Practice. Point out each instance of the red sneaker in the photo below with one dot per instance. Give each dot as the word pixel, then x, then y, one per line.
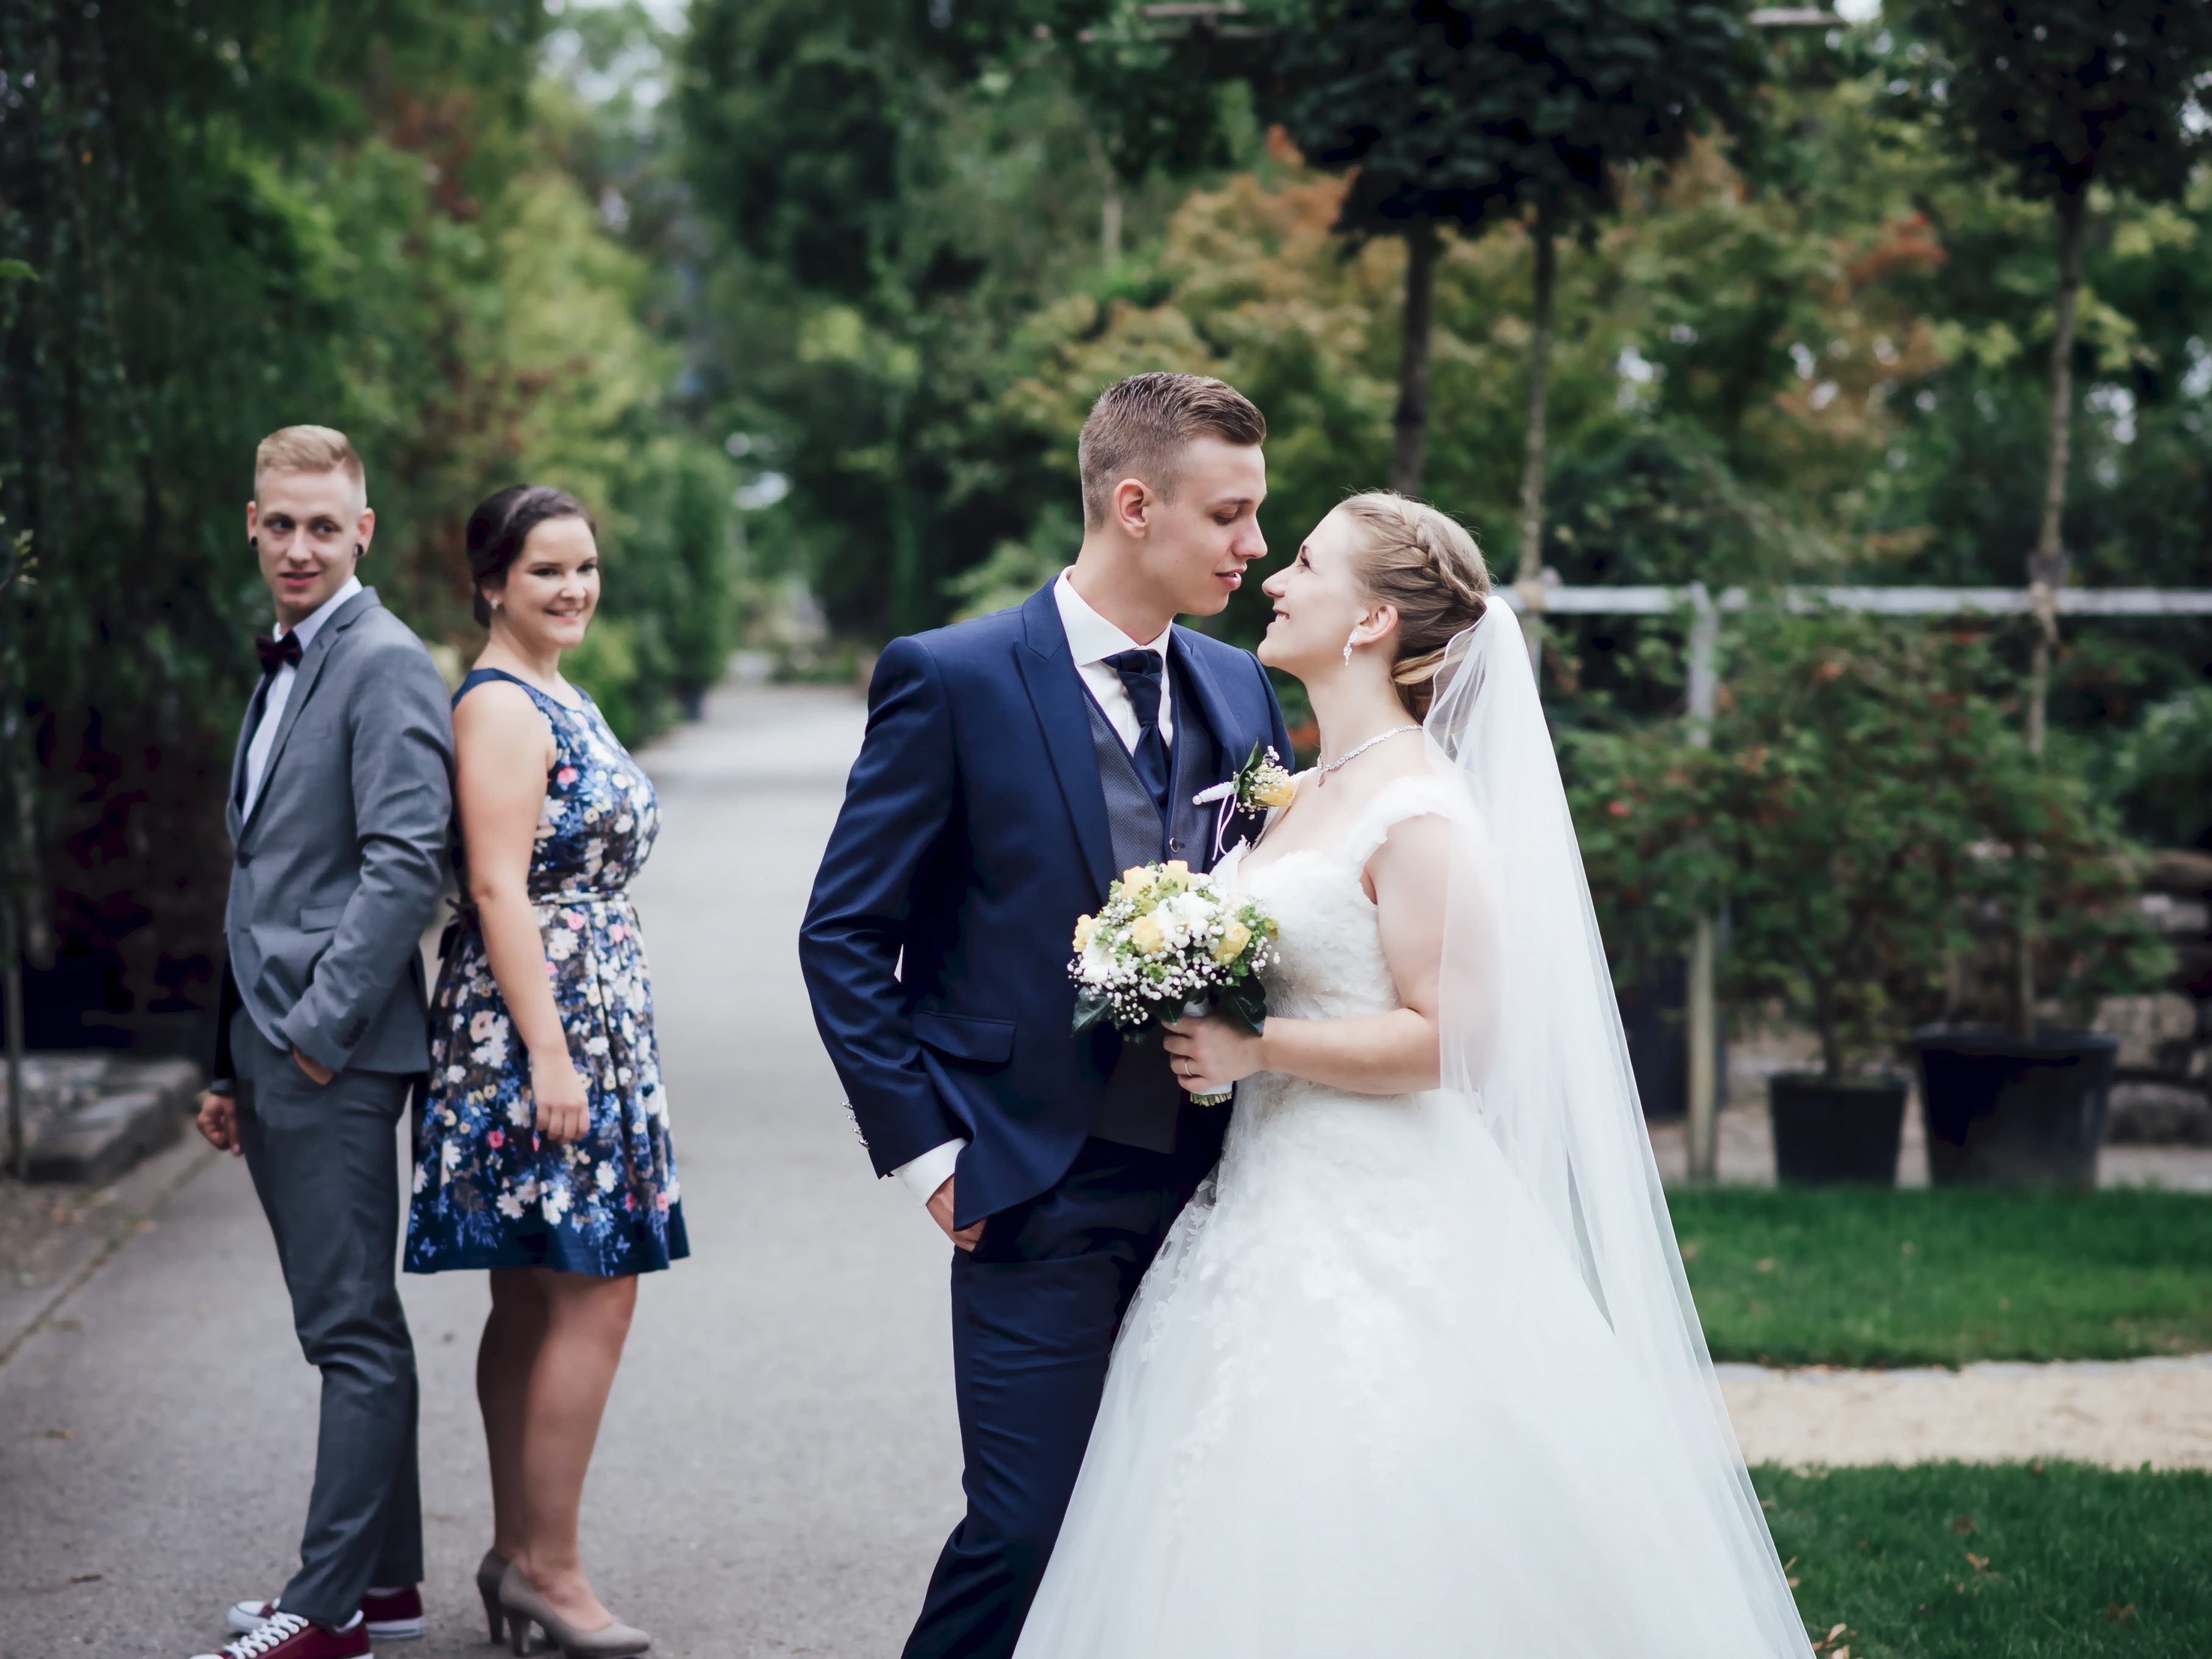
pixel 393 1615
pixel 288 1635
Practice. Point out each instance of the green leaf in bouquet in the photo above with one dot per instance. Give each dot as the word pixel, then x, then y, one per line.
pixel 1246 1002
pixel 1090 1009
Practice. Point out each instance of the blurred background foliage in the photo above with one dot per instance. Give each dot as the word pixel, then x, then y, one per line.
pixel 808 298
pixel 1818 354
pixel 453 230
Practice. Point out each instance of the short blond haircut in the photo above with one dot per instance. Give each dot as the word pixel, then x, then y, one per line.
pixel 308 449
pixel 1139 427
pixel 1425 563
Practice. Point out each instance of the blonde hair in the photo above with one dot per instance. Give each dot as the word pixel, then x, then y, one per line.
pixel 308 449
pixel 1139 427
pixel 1423 562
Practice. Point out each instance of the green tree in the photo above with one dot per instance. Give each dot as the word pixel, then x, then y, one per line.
pixel 1462 116
pixel 2063 99
pixel 237 215
pixel 894 199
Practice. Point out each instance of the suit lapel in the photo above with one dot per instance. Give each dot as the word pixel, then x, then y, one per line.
pixel 305 677
pixel 233 819
pixel 1057 692
pixel 1213 707
pixel 1232 739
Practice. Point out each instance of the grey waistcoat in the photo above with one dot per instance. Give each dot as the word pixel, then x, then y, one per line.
pixel 1143 1100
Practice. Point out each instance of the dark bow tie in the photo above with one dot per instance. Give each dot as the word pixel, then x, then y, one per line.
pixel 275 653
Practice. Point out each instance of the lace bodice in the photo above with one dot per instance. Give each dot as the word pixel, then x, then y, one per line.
pixel 1332 965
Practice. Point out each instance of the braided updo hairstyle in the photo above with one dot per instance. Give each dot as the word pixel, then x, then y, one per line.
pixel 1425 563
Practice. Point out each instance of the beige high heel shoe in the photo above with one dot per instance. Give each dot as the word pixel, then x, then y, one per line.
pixel 490 1571
pixel 525 1606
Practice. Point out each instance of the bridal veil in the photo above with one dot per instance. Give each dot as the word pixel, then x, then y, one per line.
pixel 1531 1032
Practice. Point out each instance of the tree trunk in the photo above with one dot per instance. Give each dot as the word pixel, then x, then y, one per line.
pixel 1540 381
pixel 11 1010
pixel 1831 1044
pixel 1109 222
pixel 2047 565
pixel 1409 453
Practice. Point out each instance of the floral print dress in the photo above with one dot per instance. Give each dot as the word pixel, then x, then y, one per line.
pixel 488 1191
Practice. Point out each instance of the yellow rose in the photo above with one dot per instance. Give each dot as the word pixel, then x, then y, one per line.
pixel 1085 927
pixel 1147 936
pixel 1274 789
pixel 1137 879
pixel 1178 869
pixel 1233 944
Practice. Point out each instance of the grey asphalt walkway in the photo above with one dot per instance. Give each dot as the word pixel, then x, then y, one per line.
pixel 780 1460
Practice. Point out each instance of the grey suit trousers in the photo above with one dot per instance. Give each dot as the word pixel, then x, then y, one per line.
pixel 325 1161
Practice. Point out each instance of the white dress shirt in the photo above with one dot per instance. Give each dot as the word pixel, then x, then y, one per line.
pixel 1090 640
pixel 280 692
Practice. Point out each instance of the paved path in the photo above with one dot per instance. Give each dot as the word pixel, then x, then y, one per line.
pixel 2121 1413
pixel 1746 1137
pixel 780 1460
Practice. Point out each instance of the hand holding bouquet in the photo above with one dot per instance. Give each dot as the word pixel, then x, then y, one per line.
pixel 1169 943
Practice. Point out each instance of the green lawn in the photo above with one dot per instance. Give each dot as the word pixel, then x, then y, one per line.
pixel 2005 1561
pixel 1854 1276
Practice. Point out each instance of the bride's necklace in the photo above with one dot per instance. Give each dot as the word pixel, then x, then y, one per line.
pixel 1321 772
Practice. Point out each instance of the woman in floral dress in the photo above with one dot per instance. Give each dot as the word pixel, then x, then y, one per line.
pixel 541 1151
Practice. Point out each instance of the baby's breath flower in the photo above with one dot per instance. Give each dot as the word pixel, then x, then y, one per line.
pixel 1168 939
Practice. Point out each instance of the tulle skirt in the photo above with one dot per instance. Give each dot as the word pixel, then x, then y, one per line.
pixel 1365 1404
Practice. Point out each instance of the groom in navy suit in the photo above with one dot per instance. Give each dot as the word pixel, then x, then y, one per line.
pixel 1013 766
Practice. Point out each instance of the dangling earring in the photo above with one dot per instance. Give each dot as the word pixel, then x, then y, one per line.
pixel 1348 644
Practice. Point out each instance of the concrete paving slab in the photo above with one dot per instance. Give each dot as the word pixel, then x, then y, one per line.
pixel 781 1458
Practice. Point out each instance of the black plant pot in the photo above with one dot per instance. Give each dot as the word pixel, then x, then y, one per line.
pixel 1826 1132
pixel 2004 1112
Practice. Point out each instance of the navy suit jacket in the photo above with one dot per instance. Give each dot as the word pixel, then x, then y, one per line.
pixel 974 833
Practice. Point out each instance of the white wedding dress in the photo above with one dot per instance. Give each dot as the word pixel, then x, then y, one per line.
pixel 1366 1401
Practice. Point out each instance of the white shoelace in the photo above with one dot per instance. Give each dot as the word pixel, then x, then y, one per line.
pixel 281 1627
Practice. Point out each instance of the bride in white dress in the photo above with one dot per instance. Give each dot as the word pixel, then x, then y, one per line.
pixel 1418 1373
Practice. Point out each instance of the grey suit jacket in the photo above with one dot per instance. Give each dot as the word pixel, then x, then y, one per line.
pixel 340 866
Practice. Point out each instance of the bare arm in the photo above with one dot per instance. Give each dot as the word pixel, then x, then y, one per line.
pixel 1393 1053
pixel 505 749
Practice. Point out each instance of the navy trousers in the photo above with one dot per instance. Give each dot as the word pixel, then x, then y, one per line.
pixel 1034 1309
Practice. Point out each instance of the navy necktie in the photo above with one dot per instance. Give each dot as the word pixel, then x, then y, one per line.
pixel 1141 673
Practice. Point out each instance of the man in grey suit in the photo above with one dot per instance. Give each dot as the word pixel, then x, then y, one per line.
pixel 341 795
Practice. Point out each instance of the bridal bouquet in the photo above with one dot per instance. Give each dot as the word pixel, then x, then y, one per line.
pixel 1169 943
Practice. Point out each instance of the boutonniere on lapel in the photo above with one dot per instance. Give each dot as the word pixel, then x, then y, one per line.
pixel 1261 783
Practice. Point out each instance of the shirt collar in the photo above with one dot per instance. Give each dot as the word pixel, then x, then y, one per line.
pixel 1091 637
pixel 314 620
